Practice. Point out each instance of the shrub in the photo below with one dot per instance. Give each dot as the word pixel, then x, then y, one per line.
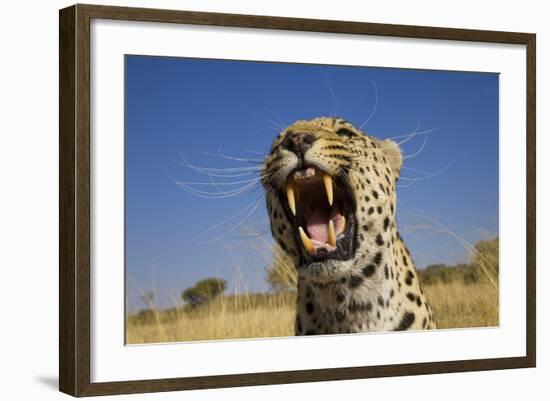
pixel 486 260
pixel 282 275
pixel 204 291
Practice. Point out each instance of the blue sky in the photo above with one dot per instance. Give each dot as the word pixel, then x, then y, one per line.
pixel 199 108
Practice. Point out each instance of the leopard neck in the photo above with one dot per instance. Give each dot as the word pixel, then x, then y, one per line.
pixel 366 299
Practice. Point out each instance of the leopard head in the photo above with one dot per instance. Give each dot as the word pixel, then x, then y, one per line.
pixel 331 195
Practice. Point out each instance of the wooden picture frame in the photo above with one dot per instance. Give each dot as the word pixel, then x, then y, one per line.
pixel 74 203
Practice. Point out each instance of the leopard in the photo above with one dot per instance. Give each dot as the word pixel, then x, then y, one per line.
pixel 330 192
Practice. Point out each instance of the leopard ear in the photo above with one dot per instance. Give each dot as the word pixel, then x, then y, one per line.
pixel 393 155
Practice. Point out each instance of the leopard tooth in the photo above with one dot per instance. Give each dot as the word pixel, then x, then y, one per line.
pixel 343 224
pixel 308 244
pixel 331 234
pixel 327 179
pixel 291 198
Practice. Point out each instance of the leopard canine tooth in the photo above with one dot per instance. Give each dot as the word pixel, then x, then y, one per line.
pixel 331 234
pixel 327 179
pixel 306 241
pixel 291 199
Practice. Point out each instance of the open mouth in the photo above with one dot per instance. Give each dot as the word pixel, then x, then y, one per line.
pixel 322 209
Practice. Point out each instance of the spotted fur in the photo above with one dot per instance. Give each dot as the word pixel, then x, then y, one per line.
pixel 376 289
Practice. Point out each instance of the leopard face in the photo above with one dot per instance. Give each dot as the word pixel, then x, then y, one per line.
pixel 330 193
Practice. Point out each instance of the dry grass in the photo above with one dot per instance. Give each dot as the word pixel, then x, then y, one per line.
pixel 462 296
pixel 456 305
pixel 227 317
pixel 255 323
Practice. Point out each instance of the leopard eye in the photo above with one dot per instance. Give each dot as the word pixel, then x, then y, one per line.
pixel 345 133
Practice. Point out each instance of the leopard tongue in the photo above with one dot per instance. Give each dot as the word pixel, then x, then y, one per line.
pixel 318 225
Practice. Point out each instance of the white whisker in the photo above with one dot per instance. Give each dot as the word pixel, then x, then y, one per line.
pixel 256 179
pixel 411 135
pixel 234 227
pixel 375 107
pixel 415 170
pixel 283 125
pixel 274 124
pixel 270 130
pixel 218 195
pixel 404 185
pixel 326 78
pixel 412 180
pixel 239 159
pixel 426 132
pixel 221 172
pixel 251 204
pixel 211 178
pixel 256 152
pixel 419 150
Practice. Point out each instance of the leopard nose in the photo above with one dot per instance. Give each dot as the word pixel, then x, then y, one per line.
pixel 299 142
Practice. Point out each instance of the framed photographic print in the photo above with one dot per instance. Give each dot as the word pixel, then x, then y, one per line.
pixel 251 200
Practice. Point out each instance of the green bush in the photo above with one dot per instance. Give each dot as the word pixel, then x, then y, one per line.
pixel 204 291
pixel 486 260
pixel 483 268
